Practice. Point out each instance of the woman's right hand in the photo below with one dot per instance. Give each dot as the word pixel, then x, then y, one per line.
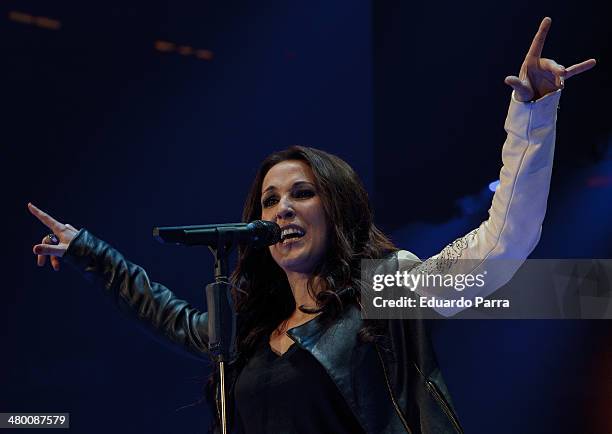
pixel 47 247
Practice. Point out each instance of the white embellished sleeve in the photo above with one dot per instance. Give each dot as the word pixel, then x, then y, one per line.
pixel 509 235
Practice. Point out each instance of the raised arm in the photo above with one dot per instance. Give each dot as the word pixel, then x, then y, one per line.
pixel 128 285
pixel 502 242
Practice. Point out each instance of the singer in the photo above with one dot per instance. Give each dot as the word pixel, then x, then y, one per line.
pixel 307 362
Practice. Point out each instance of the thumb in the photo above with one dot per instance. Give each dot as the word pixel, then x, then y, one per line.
pixel 522 91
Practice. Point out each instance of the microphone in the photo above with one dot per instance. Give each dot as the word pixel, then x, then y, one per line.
pixel 258 233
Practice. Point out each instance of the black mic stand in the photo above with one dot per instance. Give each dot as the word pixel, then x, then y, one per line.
pixel 221 315
pixel 221 239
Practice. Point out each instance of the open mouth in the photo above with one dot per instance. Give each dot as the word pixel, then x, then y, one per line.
pixel 291 233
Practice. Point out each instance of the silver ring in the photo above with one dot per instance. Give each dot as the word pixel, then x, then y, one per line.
pixel 52 239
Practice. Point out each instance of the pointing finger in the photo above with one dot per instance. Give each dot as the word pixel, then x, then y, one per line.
pixel 45 218
pixel 580 67
pixel 538 41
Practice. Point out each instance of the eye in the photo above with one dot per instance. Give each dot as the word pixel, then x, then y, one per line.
pixel 303 193
pixel 269 201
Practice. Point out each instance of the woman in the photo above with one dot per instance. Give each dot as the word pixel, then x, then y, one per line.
pixel 307 361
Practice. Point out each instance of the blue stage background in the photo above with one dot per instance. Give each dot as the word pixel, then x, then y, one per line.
pixel 131 116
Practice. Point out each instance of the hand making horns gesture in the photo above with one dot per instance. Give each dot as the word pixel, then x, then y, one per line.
pixel 54 244
pixel 539 76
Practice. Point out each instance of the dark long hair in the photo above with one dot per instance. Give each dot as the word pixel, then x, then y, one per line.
pixel 262 294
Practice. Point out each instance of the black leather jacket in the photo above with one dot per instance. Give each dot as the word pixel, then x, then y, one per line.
pixel 395 391
pixel 389 392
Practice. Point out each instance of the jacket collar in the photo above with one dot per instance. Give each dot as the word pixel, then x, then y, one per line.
pixel 315 336
pixel 333 346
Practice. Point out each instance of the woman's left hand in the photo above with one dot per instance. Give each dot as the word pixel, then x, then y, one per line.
pixel 540 76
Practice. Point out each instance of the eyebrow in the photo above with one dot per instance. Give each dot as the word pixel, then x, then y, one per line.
pixel 295 184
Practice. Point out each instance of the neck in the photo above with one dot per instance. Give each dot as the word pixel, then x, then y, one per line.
pixel 299 287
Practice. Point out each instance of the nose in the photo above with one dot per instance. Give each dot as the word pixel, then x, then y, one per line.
pixel 285 210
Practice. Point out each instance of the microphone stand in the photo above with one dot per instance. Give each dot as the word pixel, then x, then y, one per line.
pixel 221 239
pixel 221 315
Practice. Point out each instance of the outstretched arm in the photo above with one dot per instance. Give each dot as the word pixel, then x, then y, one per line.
pixel 501 243
pixel 152 304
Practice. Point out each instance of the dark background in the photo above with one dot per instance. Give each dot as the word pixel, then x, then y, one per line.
pixel 105 131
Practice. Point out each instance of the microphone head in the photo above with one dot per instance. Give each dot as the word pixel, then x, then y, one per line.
pixel 264 233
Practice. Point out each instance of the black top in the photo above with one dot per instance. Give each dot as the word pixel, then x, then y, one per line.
pixel 290 393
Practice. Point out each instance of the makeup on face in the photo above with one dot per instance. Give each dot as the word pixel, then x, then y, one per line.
pixel 290 198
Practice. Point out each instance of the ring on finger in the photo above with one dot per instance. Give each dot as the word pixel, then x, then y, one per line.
pixel 52 239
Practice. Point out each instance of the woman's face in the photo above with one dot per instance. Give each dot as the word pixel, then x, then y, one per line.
pixel 290 198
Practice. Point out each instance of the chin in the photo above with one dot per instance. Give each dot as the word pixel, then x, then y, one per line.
pixel 294 261
pixel 297 265
pixel 300 256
